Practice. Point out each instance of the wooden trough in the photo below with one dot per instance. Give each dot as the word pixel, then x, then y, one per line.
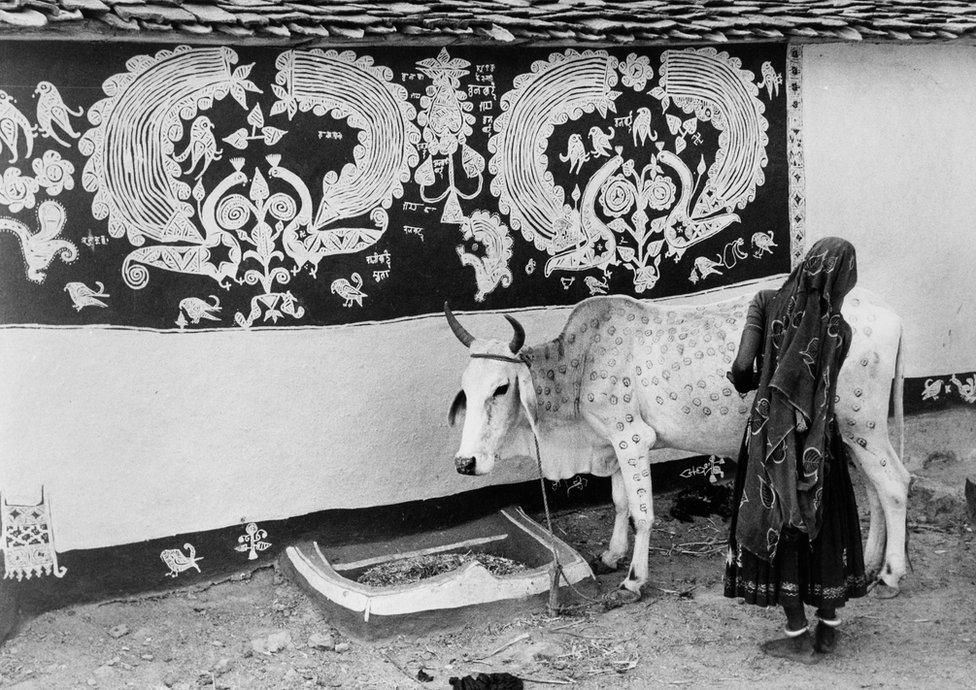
pixel 328 575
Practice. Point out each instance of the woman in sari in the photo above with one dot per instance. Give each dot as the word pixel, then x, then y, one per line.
pixel 795 537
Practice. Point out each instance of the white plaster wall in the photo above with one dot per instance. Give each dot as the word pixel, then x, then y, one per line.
pixel 137 435
pixel 890 146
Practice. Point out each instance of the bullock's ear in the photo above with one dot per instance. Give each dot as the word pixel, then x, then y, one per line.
pixel 527 397
pixel 456 406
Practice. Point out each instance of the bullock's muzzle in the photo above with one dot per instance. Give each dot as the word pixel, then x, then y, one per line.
pixel 464 465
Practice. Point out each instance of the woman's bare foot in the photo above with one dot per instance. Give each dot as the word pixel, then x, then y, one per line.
pixel 826 638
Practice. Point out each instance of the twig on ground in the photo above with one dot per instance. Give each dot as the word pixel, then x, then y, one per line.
pixel 547 681
pixel 503 647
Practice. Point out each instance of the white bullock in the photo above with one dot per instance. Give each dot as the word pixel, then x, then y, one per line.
pixel 626 377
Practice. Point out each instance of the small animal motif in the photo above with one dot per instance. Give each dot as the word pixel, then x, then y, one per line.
pixel 597 287
pixel 201 147
pixel 640 128
pixel 12 124
pixel 192 309
pixel 600 141
pixel 731 254
pixel 762 243
pixel 41 248
pixel 530 267
pixel 967 389
pixel 770 80
pixel 51 111
pixel 932 389
pixel 575 154
pixel 567 282
pixel 350 293
pixel 177 561
pixel 276 305
pixel 83 296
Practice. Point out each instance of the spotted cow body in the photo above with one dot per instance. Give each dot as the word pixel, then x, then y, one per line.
pixel 627 378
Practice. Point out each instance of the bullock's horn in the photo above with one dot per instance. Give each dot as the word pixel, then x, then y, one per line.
pixel 459 330
pixel 518 340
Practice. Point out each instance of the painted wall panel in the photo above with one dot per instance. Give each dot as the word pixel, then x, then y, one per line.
pixel 292 207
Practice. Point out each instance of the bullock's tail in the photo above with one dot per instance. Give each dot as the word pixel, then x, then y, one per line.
pixel 898 394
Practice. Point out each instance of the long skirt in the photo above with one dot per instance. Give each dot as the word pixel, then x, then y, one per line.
pixel 825 572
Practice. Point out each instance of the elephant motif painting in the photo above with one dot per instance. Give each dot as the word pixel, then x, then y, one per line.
pixel 212 187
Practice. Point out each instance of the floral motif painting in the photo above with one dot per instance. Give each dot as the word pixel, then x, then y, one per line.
pixel 194 188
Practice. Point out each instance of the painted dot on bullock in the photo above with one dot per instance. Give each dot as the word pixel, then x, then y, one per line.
pixel 699 354
pixel 706 411
pixel 593 376
pixel 631 316
pixel 726 391
pixel 871 425
pixel 867 330
pixel 728 360
pixel 654 380
pixel 622 445
pixel 595 323
pixel 856 407
pixel 636 477
pixel 572 338
pixel 603 375
pixel 548 390
pixel 644 319
pixel 613 400
pixel 691 389
pixel 583 328
pixel 675 366
pixel 627 397
pixel 686 360
pixel 884 462
pixel 632 462
pixel 743 409
pixel 861 442
pixel 589 397
pixel 701 383
pixel 836 399
pixel 613 379
pixel 629 417
pixel 851 422
pixel 597 337
pixel 713 397
pixel 864 361
pixel 858 392
pixel 657 319
pixel 612 362
pixel 626 381
pixel 686 409
pixel 635 438
pixel 646 473
pixel 664 348
pixel 673 395
pixel 723 410
pixel 619 340
pixel 620 426
pixel 666 375
pixel 550 374
pixel 644 383
pixel 696 402
pixel 548 405
pixel 659 400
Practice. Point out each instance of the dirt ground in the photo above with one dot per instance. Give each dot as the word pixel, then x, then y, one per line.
pixel 262 632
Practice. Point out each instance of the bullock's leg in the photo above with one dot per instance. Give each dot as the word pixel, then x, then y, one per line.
pixel 874 549
pixel 618 541
pixel 632 446
pixel 884 470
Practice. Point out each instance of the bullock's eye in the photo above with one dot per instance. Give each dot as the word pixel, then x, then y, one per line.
pixel 501 390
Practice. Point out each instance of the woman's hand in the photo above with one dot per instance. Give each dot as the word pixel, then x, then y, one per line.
pixel 743 379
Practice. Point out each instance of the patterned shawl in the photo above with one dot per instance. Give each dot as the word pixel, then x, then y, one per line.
pixel 804 345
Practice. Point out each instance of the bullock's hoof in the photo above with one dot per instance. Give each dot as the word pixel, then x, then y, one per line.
pixel 799 649
pixel 884 591
pixel 599 567
pixel 620 597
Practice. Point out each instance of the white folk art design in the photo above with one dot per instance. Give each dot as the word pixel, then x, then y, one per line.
pixel 932 389
pixel 656 205
pixel 771 81
pixel 137 175
pixel 28 540
pixel 491 270
pixel 446 119
pixel 731 255
pixel 13 125
pixel 193 309
pixel 251 541
pixel 52 173
pixel 178 562
pixel 53 114
pixel 83 296
pixel 349 291
pixel 40 248
pixel 966 388
pixel 794 151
